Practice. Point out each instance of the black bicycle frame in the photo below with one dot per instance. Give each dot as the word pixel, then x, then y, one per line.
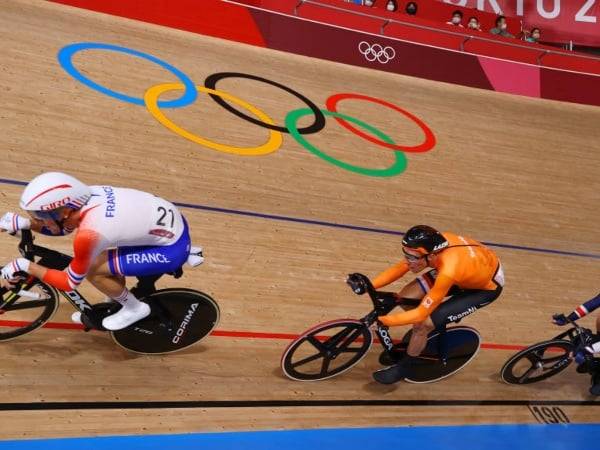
pixel 52 260
pixel 383 305
pixel 575 336
pixel 571 333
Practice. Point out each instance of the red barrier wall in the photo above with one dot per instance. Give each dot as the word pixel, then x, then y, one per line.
pixel 217 19
pixel 311 38
pixel 432 14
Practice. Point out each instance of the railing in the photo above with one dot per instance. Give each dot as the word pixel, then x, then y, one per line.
pixel 386 21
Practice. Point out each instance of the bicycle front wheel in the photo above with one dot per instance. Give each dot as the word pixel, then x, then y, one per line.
pixel 538 362
pixel 327 350
pixel 21 314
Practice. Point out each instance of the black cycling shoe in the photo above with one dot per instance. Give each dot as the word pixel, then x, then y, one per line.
pixel 583 367
pixel 389 358
pixel 395 373
pixel 595 389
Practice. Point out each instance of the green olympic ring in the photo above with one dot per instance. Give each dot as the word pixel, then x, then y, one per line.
pixel 399 166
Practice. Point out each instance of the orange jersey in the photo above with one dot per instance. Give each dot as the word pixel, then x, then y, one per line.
pixel 465 263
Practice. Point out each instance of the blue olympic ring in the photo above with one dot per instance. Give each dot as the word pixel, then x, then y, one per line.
pixel 65 56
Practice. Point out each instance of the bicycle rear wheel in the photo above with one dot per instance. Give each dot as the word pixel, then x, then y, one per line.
pixel 179 319
pixel 461 345
pixel 538 362
pixel 20 314
pixel 327 350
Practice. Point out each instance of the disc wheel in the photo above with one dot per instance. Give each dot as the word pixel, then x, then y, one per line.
pixel 327 350
pixel 179 319
pixel 538 362
pixel 461 344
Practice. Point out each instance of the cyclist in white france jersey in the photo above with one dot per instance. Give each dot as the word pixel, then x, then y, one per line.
pixel 119 232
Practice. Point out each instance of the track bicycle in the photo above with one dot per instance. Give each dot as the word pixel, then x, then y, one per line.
pixel 331 348
pixel 548 358
pixel 179 317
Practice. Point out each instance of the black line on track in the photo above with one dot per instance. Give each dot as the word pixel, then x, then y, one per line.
pixel 49 406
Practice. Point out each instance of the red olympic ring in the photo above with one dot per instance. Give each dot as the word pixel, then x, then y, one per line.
pixel 427 145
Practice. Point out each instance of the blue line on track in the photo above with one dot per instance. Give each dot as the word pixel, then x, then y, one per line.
pixel 467 437
pixel 346 226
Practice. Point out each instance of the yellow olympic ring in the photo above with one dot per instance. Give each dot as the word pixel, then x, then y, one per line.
pixel 151 100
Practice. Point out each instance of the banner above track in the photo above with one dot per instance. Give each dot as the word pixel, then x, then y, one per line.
pixel 560 20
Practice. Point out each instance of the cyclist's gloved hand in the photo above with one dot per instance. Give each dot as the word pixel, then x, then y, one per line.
pixel 559 319
pixel 13 222
pixel 357 283
pixel 10 272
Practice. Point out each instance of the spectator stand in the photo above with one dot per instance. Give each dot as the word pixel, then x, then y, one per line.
pixel 429 27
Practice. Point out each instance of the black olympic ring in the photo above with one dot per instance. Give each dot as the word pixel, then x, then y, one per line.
pixel 211 83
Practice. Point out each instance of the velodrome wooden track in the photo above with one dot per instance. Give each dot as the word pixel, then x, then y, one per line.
pixel 506 169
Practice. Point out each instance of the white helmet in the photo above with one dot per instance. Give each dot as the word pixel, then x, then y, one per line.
pixel 52 190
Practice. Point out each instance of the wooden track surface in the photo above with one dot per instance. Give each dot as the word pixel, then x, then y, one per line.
pixel 506 169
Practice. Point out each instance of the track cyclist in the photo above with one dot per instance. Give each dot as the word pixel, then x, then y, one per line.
pixel 461 270
pixel 119 232
pixel 583 355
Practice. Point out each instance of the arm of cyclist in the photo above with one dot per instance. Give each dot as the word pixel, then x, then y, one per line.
pixel 430 302
pixel 86 247
pixel 390 275
pixel 13 223
pixel 579 312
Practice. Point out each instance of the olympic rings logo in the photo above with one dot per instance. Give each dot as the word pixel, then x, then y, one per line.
pixel 376 52
pixel 254 115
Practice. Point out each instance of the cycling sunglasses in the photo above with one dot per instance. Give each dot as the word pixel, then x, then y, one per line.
pixel 412 258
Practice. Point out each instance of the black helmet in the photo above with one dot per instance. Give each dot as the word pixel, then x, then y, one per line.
pixel 424 239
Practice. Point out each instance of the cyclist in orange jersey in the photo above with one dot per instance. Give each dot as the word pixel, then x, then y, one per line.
pixel 463 271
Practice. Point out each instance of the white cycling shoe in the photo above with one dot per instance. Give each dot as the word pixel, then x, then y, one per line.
pixel 76 317
pixel 126 316
pixel 121 319
pixel 595 348
pixel 195 257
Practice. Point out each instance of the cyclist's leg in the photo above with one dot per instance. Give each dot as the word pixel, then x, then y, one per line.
pixel 113 286
pixel 139 261
pixel 418 340
pixel 462 304
pixel 415 290
pixel 421 331
pixel 101 277
pixel 143 261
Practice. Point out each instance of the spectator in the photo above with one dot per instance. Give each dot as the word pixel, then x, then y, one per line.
pixel 500 28
pixel 534 36
pixel 456 20
pixel 391 5
pixel 474 24
pixel 411 8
